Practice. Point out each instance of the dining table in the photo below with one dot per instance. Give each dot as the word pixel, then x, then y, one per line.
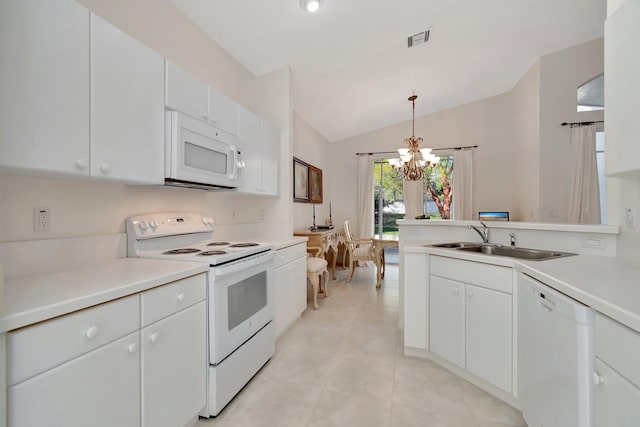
pixel 380 242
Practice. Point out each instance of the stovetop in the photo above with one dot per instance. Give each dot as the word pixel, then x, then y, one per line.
pixel 184 237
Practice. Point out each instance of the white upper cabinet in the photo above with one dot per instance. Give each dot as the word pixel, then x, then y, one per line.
pixel 44 107
pixel 223 112
pixel 186 93
pixel 260 144
pixel 622 67
pixel 270 158
pixel 127 107
pixel 249 140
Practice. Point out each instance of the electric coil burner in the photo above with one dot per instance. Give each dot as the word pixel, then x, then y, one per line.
pixel 239 288
pixel 181 251
pixel 210 253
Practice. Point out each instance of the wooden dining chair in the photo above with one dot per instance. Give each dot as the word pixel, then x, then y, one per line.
pixel 358 249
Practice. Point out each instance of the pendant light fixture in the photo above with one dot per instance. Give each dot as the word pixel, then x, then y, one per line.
pixel 413 160
pixel 311 5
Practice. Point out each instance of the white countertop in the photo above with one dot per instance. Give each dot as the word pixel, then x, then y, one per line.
pixel 286 242
pixel 608 285
pixel 541 226
pixel 34 298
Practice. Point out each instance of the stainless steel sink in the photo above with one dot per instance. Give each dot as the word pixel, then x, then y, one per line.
pixel 454 245
pixel 520 253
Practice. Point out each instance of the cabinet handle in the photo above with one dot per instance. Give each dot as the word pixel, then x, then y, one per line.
pixel 597 378
pixel 213 119
pixel 456 291
pixel 81 164
pixel 92 332
pixel 205 116
pixel 154 337
pixel 181 297
pixel 105 167
pixel 470 294
pixel 132 347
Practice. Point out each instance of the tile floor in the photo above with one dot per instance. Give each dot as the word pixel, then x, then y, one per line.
pixel 343 365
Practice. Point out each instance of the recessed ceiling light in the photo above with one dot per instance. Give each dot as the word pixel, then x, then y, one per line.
pixel 311 5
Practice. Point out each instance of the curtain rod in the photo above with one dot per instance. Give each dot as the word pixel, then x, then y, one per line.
pixel 434 149
pixel 581 123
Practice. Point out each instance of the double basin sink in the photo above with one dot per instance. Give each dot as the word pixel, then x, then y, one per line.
pixel 506 251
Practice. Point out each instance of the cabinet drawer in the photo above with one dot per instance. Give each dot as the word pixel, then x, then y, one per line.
pixel 619 346
pixel 36 348
pixel 289 254
pixel 476 273
pixel 165 300
pixel 617 400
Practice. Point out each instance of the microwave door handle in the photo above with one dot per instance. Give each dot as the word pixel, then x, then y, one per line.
pixel 234 155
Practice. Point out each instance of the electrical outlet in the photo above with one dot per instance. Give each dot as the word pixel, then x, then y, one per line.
pixel 42 219
pixel 631 218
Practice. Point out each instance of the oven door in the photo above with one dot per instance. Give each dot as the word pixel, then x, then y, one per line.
pixel 240 303
pixel 198 153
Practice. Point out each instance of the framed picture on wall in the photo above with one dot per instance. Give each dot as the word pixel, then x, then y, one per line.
pixel 300 181
pixel 315 184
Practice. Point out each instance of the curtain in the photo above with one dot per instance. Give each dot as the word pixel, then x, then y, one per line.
pixel 462 184
pixel 365 196
pixel 584 194
pixel 413 198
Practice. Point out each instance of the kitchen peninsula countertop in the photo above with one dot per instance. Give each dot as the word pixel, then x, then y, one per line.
pixel 609 285
pixel 34 298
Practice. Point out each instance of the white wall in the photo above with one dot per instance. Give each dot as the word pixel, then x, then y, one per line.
pixel 526 120
pixel 487 123
pixel 87 208
pixel 560 75
pixel 311 147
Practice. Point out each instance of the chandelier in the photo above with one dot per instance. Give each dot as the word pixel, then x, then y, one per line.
pixel 413 160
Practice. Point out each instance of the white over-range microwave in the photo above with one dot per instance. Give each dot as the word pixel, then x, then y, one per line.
pixel 198 155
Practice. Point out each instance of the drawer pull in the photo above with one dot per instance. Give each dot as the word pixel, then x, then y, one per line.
pixel 456 290
pixel 132 347
pixel 470 294
pixel 597 378
pixel 181 297
pixel 92 332
pixel 154 337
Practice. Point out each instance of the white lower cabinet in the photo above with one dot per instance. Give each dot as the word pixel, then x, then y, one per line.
pixel 290 286
pixel 616 375
pixel 174 368
pixel 100 388
pixel 471 326
pixel 97 367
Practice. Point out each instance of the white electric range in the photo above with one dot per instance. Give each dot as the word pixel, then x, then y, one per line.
pixel 240 312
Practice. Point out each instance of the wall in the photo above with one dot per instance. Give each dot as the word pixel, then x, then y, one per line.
pixel 87 207
pixel 560 75
pixel 311 147
pixel 487 123
pixel 526 120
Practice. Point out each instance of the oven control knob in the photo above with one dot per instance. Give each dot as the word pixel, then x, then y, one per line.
pixel 153 224
pixel 143 225
pixel 207 220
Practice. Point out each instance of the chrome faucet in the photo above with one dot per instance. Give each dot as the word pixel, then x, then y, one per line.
pixel 484 233
pixel 513 240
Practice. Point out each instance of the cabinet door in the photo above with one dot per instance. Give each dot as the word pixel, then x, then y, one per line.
pixel 44 107
pixel 127 114
pixel 174 368
pixel 617 400
pixel 249 131
pixel 270 158
pixel 101 389
pixel 185 93
pixel 489 335
pixel 622 65
pixel 223 112
pixel 446 319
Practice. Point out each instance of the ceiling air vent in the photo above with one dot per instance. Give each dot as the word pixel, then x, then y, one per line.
pixel 418 39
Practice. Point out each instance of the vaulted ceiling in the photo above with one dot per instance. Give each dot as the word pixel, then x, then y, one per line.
pixel 353 71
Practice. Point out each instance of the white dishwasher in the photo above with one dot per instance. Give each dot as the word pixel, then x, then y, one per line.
pixel 556 353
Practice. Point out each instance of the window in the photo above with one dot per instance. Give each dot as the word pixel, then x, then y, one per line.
pixel 389 202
